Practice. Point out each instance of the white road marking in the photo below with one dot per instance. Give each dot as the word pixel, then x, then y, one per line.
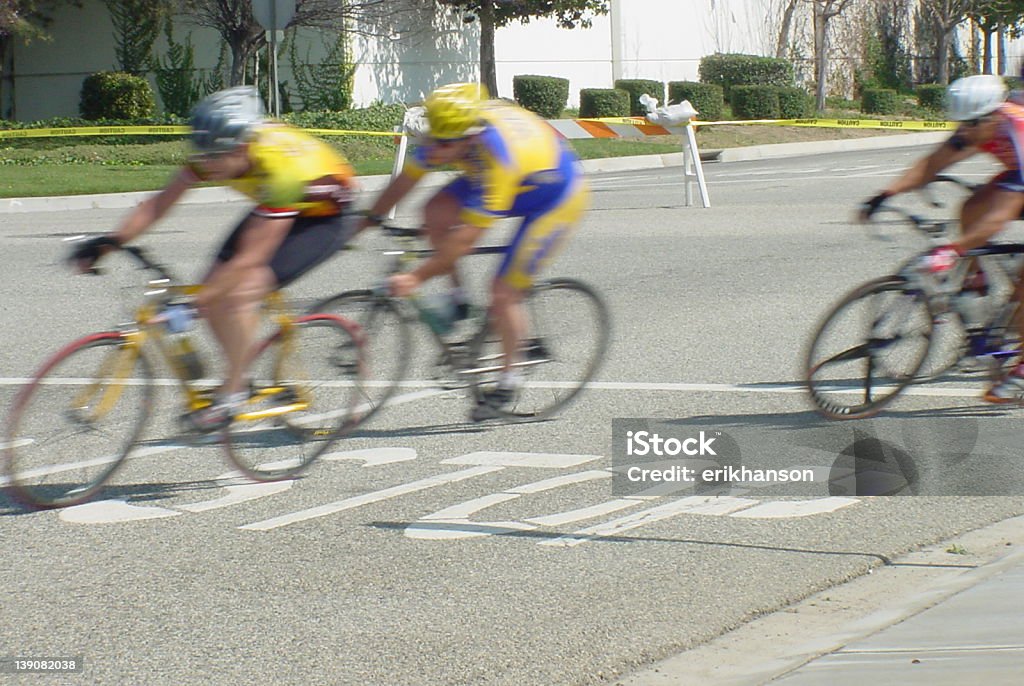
pixel 510 459
pixel 373 457
pixel 708 505
pixel 368 498
pixel 238 493
pixel 453 522
pixel 113 512
pixel 784 509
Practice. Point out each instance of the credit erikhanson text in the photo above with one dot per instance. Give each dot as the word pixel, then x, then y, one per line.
pixel 798 454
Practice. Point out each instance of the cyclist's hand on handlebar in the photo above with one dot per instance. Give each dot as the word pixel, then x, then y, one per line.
pixel 939 260
pixel 870 206
pixel 403 284
pixel 86 253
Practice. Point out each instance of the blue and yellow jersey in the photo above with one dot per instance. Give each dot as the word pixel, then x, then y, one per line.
pixel 517 165
pixel 293 174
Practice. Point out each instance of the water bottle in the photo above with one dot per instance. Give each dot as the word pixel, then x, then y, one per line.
pixel 438 311
pixel 178 319
pixel 973 308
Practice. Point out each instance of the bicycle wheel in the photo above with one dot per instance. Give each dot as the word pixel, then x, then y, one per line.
pixel 1004 345
pixel 568 337
pixel 306 389
pixel 869 347
pixel 387 341
pixel 74 423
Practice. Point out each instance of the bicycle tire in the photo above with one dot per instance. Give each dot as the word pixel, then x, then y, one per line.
pixel 576 328
pixel 306 389
pixel 899 321
pixel 388 341
pixel 44 427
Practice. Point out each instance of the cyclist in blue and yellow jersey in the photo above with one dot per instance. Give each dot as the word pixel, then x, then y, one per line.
pixel 302 189
pixel 513 164
pixel 991 124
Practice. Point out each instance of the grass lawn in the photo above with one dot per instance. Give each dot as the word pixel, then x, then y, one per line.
pixel 56 167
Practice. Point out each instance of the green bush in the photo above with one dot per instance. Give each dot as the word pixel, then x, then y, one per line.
pixel 728 70
pixel 545 95
pixel 706 98
pixel 116 95
pixel 880 101
pixel 754 102
pixel 603 102
pixel 795 103
pixel 636 88
pixel 931 96
pixel 376 117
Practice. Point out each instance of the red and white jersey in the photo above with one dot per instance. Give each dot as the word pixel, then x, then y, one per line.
pixel 1008 144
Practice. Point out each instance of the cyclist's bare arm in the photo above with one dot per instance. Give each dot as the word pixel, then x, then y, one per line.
pixel 457 242
pixel 927 168
pixel 260 239
pixel 391 196
pixel 150 210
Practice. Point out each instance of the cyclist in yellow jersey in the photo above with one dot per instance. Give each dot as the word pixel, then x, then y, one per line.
pixel 513 164
pixel 302 189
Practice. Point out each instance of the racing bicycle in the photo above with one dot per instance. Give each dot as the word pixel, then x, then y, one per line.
pixel 81 415
pixel 568 339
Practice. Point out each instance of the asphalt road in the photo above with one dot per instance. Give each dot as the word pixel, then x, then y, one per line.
pixel 429 550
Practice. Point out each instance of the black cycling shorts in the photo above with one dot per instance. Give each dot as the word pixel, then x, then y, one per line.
pixel 311 241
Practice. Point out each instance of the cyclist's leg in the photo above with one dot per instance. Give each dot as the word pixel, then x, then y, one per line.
pixel 235 318
pixel 443 212
pixel 537 242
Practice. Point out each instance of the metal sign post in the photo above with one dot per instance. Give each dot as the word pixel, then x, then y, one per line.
pixel 273 15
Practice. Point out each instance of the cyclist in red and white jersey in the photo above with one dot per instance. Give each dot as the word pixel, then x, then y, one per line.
pixel 988 124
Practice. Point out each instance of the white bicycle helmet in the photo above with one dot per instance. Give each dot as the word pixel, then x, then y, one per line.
pixel 974 96
pixel 224 120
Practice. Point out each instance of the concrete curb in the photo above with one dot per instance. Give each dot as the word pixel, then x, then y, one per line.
pixel 203 196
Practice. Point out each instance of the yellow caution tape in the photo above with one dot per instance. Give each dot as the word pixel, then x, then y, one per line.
pixel 154 131
pixel 904 125
pixel 96 131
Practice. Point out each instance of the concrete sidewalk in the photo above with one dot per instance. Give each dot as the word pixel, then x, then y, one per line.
pixel 611 164
pixel 949 615
pixel 973 637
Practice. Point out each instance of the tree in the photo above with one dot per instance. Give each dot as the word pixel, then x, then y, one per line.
pixel 234 20
pixel 493 14
pixel 947 15
pixel 824 12
pixel 136 26
pixel 25 20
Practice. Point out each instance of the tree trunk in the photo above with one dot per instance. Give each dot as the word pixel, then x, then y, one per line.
pixel 820 56
pixel 6 77
pixel 1001 33
pixel 986 66
pixel 942 72
pixel 782 47
pixel 488 70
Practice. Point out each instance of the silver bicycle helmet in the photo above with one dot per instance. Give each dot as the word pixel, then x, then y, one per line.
pixel 225 119
pixel 974 96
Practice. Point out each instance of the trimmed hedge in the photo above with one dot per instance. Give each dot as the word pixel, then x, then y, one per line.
pixel 116 95
pixel 636 88
pixel 795 103
pixel 728 70
pixel 545 95
pixel 603 102
pixel 376 117
pixel 932 96
pixel 880 101
pixel 707 98
pixel 754 102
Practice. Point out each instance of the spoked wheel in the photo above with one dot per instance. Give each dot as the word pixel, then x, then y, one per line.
pixel 1005 347
pixel 305 393
pixel 386 341
pixel 73 424
pixel 568 333
pixel 868 349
